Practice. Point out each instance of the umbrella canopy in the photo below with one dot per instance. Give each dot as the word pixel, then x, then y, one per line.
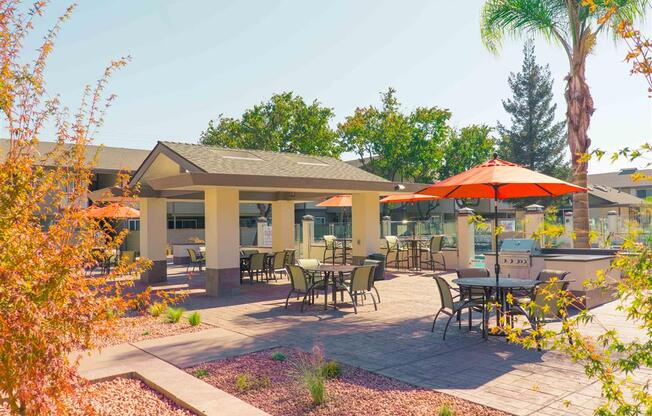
pixel 499 179
pixel 337 201
pixel 393 199
pixel 112 211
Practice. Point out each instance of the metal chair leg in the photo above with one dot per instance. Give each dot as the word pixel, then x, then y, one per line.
pixel 434 321
pixel 447 323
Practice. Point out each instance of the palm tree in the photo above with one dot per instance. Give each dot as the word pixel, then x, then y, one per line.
pixel 575 26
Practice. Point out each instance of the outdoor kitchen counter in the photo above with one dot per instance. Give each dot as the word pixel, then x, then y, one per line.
pixel 575 257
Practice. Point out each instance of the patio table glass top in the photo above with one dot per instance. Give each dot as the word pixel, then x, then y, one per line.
pixel 503 282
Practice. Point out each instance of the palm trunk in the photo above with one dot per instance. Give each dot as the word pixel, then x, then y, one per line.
pixel 578 117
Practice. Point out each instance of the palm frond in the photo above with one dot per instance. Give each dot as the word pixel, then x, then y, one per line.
pixel 548 18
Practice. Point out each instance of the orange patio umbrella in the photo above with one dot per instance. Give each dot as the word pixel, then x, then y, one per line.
pixel 112 211
pixel 337 201
pixel 394 199
pixel 499 179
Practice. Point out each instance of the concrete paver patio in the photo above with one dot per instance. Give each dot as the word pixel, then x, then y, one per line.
pixel 395 341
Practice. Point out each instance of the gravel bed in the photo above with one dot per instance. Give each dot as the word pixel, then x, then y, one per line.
pixel 125 397
pixel 356 391
pixel 138 328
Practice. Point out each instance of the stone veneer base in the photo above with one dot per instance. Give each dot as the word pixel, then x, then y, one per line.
pixel 223 282
pixel 156 274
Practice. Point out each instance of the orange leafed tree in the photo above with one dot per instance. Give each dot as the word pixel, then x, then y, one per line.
pixel 49 305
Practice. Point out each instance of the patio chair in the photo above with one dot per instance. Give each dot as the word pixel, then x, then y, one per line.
pixel 361 283
pixel 249 252
pixel 278 263
pixel 301 284
pixel 451 307
pixel 330 249
pixel 290 256
pixel 544 275
pixel 434 249
pixel 257 266
pixel 195 260
pixel 394 246
pixel 544 307
pixel 375 264
pixel 476 292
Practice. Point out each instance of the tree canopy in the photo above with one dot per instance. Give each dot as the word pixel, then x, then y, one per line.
pixel 534 138
pixel 284 123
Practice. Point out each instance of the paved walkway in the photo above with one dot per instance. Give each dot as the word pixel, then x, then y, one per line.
pixel 395 341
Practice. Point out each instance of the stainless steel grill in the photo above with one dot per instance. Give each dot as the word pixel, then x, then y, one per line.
pixel 515 257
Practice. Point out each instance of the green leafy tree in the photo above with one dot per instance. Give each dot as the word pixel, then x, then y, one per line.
pixel 396 145
pixel 575 26
pixel 467 147
pixel 534 139
pixel 284 123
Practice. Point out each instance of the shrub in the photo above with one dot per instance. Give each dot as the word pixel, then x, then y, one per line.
pixel 445 410
pixel 245 382
pixel 200 373
pixel 156 309
pixel 173 315
pixel 194 319
pixel 331 370
pixel 278 356
pixel 310 372
pixel 316 384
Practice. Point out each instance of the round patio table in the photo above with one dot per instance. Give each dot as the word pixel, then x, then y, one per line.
pixel 415 255
pixel 330 271
pixel 503 286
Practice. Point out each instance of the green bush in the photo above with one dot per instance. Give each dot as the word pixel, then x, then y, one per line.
pixel 331 370
pixel 245 382
pixel 278 356
pixel 173 315
pixel 194 319
pixel 316 384
pixel 201 372
pixel 156 309
pixel 445 410
pixel 309 369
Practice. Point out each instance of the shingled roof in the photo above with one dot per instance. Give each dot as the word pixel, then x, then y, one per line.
pixel 211 159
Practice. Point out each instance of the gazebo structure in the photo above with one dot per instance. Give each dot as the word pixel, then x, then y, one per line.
pixel 224 178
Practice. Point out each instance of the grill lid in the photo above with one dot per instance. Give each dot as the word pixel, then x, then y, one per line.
pixel 520 245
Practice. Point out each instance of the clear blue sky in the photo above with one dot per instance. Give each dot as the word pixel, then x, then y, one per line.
pixel 193 60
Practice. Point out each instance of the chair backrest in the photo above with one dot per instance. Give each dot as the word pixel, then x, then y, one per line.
pixel 249 252
pixel 436 243
pixel 362 278
pixel 472 272
pixel 546 275
pixel 297 278
pixel 279 260
pixel 546 298
pixel 392 242
pixel 445 294
pixel 329 241
pixel 193 255
pixel 257 261
pixel 309 263
pixel 289 256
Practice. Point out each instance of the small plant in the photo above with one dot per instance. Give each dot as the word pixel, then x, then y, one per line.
pixel 316 384
pixel 194 319
pixel 200 373
pixel 331 370
pixel 173 315
pixel 245 382
pixel 156 309
pixel 310 372
pixel 145 333
pixel 278 356
pixel 445 410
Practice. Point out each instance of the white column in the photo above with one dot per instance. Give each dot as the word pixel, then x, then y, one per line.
pixel 153 238
pixel 533 219
pixel 465 239
pixel 222 219
pixel 387 225
pixel 307 235
pixel 365 216
pixel 261 224
pixel 612 223
pixel 282 225
pixel 568 228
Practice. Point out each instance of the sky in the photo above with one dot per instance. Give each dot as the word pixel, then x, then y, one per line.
pixel 193 60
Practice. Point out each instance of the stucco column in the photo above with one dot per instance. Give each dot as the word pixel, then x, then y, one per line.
pixel 612 222
pixel 153 238
pixel 222 219
pixel 387 225
pixel 465 239
pixel 307 235
pixel 533 219
pixel 282 225
pixel 261 223
pixel 365 216
pixel 568 228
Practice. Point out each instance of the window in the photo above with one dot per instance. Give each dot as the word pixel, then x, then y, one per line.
pixel 134 225
pixel 178 223
pixel 320 220
pixel 641 193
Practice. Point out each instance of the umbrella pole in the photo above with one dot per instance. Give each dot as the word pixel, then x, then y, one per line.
pixel 497 265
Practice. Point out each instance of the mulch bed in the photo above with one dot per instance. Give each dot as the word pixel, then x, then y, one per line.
pixel 125 397
pixel 355 392
pixel 139 328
